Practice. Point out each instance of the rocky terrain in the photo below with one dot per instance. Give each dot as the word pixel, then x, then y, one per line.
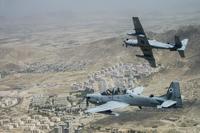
pixel 59 59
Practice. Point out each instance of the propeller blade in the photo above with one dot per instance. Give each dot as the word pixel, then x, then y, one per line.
pixel 87 101
pixel 124 43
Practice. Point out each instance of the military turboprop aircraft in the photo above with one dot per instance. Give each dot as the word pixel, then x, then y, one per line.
pixel 116 98
pixel 146 45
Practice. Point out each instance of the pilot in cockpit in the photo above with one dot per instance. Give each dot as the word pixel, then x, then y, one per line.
pixel 114 91
pixel 108 92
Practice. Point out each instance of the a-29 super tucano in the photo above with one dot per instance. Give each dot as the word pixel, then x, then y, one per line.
pixel 109 100
pixel 146 45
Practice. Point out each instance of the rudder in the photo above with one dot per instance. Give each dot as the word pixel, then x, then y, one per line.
pixel 174 93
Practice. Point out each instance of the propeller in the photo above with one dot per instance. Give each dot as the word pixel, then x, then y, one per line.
pixel 87 101
pixel 85 97
pixel 124 43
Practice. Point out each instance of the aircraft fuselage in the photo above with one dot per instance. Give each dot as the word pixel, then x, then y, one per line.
pixel 152 43
pixel 131 99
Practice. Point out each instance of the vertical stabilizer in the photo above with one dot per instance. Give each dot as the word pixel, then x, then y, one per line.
pixel 174 93
pixel 178 43
pixel 180 46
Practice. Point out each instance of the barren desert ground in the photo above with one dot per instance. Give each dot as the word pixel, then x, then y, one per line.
pixel 44 58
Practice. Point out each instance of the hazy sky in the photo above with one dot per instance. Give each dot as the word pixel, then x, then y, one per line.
pixel 29 7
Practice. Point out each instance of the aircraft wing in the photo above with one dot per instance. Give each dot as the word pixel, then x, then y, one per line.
pixel 168 103
pixel 138 27
pixel 148 55
pixel 139 32
pixel 143 40
pixel 107 106
pixel 138 90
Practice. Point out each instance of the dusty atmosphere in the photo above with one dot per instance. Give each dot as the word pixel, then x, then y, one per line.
pixel 51 51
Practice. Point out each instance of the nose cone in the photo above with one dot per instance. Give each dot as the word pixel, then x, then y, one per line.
pixel 92 98
pixel 126 41
pixel 88 99
pixel 88 96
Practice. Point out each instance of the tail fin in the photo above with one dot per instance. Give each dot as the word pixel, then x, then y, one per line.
pixel 174 93
pixel 178 43
pixel 181 46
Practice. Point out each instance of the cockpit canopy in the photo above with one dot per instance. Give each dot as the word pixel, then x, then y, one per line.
pixel 114 91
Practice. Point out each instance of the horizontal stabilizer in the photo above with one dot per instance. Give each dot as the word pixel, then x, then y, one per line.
pixel 168 103
pixel 184 44
pixel 131 33
pixel 136 91
pixel 181 50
